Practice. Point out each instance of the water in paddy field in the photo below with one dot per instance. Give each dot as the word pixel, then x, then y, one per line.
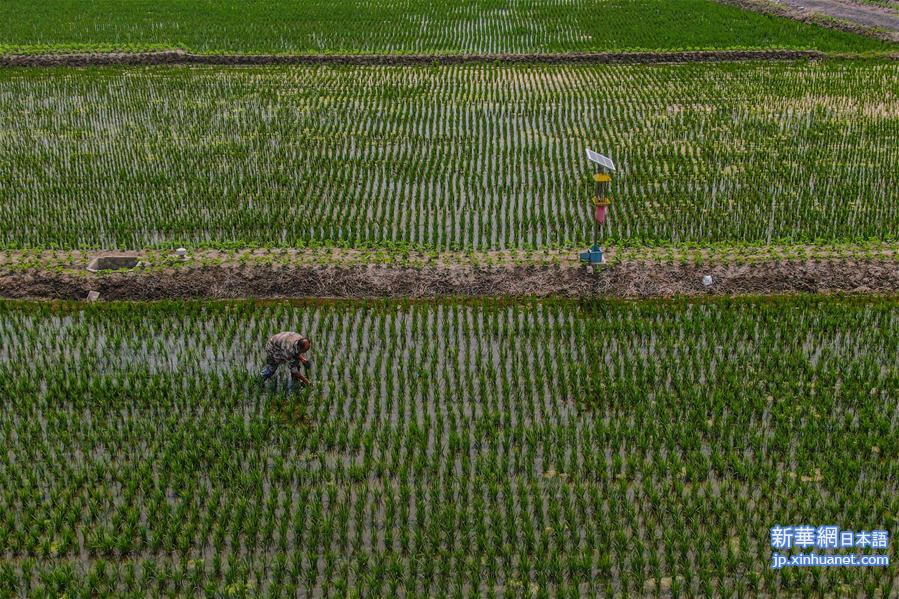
pixel 454 441
pixel 474 157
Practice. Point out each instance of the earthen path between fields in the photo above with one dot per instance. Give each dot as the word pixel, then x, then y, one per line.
pixel 333 273
pixel 846 15
pixel 176 57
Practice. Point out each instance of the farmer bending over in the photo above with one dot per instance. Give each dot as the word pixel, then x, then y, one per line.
pixel 287 348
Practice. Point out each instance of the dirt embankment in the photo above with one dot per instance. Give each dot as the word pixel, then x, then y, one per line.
pixel 175 57
pixel 623 280
pixel 844 15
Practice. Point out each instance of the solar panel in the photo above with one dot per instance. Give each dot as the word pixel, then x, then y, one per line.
pixel 600 159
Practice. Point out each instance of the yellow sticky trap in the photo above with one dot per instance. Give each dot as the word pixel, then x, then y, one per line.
pixel 601 178
pixel 601 201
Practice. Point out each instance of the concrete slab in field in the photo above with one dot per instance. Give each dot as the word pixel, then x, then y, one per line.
pixel 113 262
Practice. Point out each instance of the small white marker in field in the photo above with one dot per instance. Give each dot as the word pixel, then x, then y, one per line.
pixel 707 280
pixel 93 296
pixel 181 252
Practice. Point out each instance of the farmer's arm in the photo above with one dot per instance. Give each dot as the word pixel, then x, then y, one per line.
pixel 297 375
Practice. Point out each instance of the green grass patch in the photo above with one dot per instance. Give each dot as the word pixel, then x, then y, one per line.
pixel 403 26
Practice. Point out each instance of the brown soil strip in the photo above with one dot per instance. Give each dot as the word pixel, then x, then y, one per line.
pixel 844 15
pixel 176 57
pixel 623 280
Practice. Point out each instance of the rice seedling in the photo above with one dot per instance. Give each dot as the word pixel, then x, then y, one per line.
pixel 473 448
pixel 474 158
pixel 403 27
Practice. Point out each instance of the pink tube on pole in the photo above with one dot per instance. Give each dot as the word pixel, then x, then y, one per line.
pixel 600 214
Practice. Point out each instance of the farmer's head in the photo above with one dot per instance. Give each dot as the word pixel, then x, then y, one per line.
pixel 304 345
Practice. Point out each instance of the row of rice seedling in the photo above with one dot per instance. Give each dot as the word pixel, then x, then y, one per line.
pixel 453 157
pixel 471 449
pixel 402 26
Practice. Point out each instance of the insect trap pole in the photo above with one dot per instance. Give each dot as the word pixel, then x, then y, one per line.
pixel 602 178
